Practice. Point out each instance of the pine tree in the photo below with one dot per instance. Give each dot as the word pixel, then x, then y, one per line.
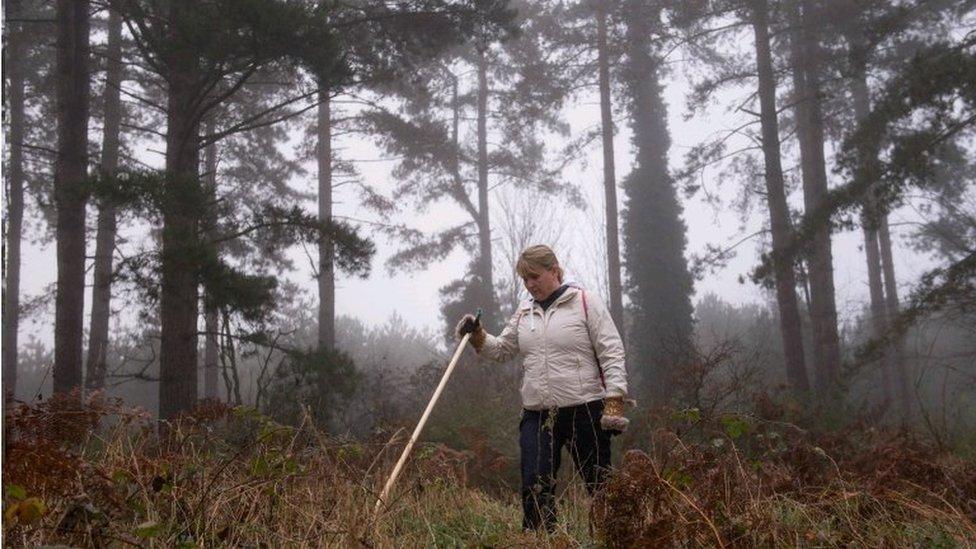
pixel 210 314
pixel 874 35
pixel 208 53
pixel 14 61
pixel 71 173
pixel 807 59
pixel 609 170
pixel 695 22
pixel 785 277
pixel 658 281
pixel 886 157
pixel 106 231
pixel 326 269
pixel 510 99
pixel 204 65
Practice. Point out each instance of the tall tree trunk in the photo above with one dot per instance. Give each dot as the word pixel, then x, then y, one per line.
pixel 13 60
pixel 182 211
pixel 326 245
pixel 806 61
pixel 484 225
pixel 211 344
pixel 609 177
pixel 892 307
pixel 228 356
pixel 211 354
pixel 872 251
pixel 784 273
pixel 105 235
pixel 70 173
pixel 879 323
pixel 180 265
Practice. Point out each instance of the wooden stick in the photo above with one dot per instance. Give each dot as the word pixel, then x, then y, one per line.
pixel 420 425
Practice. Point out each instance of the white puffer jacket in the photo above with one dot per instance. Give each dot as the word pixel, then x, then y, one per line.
pixel 560 348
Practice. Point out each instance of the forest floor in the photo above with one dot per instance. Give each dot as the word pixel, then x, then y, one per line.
pixel 100 476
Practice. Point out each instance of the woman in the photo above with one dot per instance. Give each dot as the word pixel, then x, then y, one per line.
pixel 573 380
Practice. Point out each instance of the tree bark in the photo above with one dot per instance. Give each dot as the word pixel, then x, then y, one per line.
pixel 806 55
pixel 211 344
pixel 71 171
pixel 484 224
pixel 105 235
pixel 326 279
pixel 181 250
pixel 15 196
pixel 778 209
pixel 609 176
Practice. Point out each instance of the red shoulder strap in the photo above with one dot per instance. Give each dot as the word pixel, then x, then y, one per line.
pixel 586 310
pixel 586 320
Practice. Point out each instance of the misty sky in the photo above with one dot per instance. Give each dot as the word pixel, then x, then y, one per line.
pixel 414 296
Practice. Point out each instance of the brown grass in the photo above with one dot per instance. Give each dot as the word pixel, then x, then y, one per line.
pixel 773 485
pixel 232 477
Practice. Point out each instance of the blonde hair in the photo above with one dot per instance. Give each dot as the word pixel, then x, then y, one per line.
pixel 538 258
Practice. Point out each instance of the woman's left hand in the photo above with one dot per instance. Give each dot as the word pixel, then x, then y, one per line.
pixel 613 419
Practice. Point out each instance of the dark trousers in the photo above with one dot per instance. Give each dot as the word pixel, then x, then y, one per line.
pixel 542 436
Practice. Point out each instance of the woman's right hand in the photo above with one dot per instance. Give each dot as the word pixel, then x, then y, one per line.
pixel 470 324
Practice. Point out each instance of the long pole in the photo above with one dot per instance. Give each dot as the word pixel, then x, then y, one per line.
pixel 420 425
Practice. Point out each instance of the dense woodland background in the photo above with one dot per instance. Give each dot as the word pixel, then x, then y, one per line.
pixel 174 276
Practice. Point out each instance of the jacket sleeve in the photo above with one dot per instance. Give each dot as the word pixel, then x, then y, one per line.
pixel 504 346
pixel 609 348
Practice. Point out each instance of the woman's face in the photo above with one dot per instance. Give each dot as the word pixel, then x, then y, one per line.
pixel 541 283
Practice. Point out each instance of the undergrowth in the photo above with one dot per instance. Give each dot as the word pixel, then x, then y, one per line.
pixel 99 474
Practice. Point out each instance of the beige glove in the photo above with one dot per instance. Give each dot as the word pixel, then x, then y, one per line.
pixel 613 414
pixel 470 324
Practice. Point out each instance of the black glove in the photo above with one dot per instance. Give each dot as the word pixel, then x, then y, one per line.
pixel 469 324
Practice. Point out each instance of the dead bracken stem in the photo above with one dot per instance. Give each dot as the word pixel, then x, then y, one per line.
pixel 708 521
